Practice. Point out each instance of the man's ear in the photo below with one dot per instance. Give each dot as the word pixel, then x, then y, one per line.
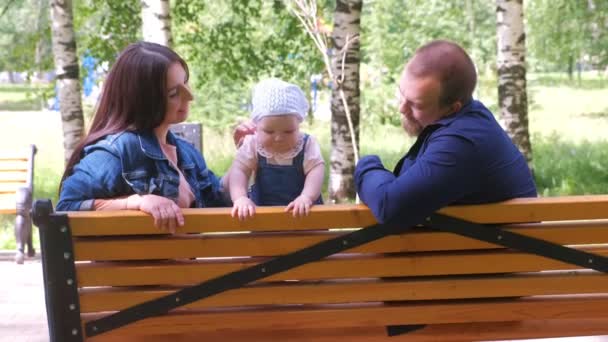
pixel 456 106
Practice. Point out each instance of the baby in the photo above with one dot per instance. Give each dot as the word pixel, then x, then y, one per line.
pixel 286 165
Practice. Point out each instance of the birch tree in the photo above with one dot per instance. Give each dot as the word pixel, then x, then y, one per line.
pixel 156 21
pixel 66 73
pixel 345 65
pixel 511 58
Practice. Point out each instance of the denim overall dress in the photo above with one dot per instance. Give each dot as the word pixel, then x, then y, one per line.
pixel 279 184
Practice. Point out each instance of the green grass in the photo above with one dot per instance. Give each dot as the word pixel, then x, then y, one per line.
pixel 568 123
pixel 19 97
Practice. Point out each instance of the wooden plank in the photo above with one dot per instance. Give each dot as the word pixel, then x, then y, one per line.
pixel 14 165
pixel 13 176
pixel 337 216
pixel 10 188
pixel 438 332
pixel 440 288
pixel 534 209
pixel 219 220
pixel 8 204
pixel 190 246
pixel 352 266
pixel 343 316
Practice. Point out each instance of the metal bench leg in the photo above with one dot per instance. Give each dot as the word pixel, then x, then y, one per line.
pixel 23 225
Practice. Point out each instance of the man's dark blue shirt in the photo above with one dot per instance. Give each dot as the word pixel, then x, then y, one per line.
pixel 464 158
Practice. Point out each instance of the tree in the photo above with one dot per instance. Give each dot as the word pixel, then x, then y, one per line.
pixel 25 47
pixel 511 59
pixel 67 75
pixel 156 21
pixel 345 64
pixel 227 53
pixel 563 32
pixel 393 29
pixel 106 27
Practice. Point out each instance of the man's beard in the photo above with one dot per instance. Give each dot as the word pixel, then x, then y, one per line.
pixel 412 127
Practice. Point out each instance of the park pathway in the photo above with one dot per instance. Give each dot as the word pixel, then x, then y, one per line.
pixel 22 309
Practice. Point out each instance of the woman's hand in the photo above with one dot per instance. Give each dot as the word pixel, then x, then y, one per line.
pixel 167 215
pixel 242 130
pixel 300 206
pixel 243 208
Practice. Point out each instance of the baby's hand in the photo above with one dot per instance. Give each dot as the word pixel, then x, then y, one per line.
pixel 243 208
pixel 300 206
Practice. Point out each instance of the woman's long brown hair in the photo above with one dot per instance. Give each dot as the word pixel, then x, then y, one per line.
pixel 134 95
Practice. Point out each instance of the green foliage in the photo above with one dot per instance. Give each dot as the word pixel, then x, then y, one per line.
pixel 561 32
pixel 25 41
pixel 105 27
pixel 394 29
pixel 566 168
pixel 229 45
pixel 22 97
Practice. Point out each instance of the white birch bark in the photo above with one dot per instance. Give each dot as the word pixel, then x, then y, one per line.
pixel 66 73
pixel 511 59
pixel 156 21
pixel 347 25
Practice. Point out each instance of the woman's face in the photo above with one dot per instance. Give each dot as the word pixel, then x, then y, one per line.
pixel 178 95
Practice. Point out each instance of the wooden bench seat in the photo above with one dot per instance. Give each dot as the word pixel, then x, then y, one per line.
pixel 425 284
pixel 16 189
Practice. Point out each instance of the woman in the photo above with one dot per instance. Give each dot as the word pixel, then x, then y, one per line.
pixel 130 159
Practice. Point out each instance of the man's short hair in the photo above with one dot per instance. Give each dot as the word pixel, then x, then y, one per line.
pixel 451 65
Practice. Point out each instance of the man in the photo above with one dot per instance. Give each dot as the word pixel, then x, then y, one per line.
pixel 461 155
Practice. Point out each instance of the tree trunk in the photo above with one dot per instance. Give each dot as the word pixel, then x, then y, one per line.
pixel 156 21
pixel 347 24
pixel 512 95
pixel 66 71
pixel 38 53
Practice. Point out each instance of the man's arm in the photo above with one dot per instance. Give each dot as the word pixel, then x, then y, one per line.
pixel 441 175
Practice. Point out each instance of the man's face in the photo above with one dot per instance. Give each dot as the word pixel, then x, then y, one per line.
pixel 419 102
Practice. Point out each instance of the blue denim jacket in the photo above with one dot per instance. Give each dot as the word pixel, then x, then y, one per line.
pixel 129 163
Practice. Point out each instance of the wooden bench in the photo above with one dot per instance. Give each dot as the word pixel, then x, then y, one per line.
pixel 16 189
pixel 191 132
pixel 425 284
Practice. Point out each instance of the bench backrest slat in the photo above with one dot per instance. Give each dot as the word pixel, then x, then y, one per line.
pixel 235 245
pixel 353 266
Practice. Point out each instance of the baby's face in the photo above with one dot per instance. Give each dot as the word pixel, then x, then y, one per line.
pixel 278 134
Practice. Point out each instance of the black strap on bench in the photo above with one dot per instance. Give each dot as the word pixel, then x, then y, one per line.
pixel 237 279
pixel 496 235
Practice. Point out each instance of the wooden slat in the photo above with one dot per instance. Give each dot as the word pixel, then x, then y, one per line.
pixel 10 188
pixel 219 220
pixel 96 300
pixel 193 272
pixel 164 247
pixel 534 209
pixel 337 216
pixel 432 333
pixel 14 165
pixel 342 316
pixel 13 176
pixel 8 204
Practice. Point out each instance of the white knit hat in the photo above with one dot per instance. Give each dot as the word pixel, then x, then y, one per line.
pixel 276 97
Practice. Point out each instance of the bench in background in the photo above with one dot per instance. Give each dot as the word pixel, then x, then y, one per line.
pixel 191 132
pixel 16 189
pixel 424 284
